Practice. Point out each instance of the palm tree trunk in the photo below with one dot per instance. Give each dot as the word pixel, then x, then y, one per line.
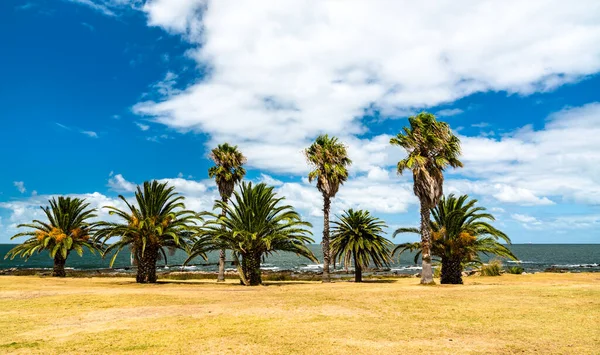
pixel 357 270
pixel 221 276
pixel 251 269
pixel 426 272
pixel 59 265
pixel 326 249
pixel 451 271
pixel 146 271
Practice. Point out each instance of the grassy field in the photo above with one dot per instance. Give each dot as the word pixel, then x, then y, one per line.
pixel 541 314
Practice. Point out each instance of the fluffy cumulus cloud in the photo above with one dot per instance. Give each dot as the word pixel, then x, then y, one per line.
pixel 280 73
pixel 534 167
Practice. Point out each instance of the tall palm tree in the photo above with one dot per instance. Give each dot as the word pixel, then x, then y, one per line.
pixel 357 235
pixel 158 222
pixel 461 233
pixel 256 224
pixel 431 148
pixel 67 229
pixel 227 172
pixel 329 159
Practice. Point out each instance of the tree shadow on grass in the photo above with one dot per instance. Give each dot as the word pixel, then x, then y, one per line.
pixel 386 281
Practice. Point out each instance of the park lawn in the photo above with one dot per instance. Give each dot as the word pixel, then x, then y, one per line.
pixel 541 314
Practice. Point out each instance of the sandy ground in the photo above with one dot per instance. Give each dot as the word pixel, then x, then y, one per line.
pixel 540 314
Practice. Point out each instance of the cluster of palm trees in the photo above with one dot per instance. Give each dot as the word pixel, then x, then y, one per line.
pixel 254 221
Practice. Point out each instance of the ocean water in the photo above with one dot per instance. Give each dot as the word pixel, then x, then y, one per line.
pixel 533 257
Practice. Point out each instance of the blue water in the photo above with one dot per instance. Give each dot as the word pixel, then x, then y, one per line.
pixel 534 257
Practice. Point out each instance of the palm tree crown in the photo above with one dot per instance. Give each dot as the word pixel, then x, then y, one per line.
pixel 358 235
pixel 256 224
pixel 329 158
pixel 159 221
pixel 431 148
pixel 461 233
pixel 67 229
pixel 228 170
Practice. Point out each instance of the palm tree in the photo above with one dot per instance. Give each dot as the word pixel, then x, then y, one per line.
pixel 330 161
pixel 256 224
pixel 431 148
pixel 227 172
pixel 357 235
pixel 461 233
pixel 158 222
pixel 67 229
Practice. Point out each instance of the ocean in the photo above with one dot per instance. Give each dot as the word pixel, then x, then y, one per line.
pixel 533 257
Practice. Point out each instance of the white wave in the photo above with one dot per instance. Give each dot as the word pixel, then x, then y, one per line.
pixel 269 268
pixel 406 268
pixel 520 262
pixel 189 268
pixel 572 266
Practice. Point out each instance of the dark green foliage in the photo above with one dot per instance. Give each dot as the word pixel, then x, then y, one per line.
pixel 67 229
pixel 516 270
pixel 255 224
pixel 358 236
pixel 157 224
pixel 460 233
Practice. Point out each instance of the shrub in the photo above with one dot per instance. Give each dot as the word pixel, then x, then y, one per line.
pixel 516 270
pixel 437 271
pixel 493 268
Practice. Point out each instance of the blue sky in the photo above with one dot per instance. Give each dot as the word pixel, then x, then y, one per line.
pixel 100 95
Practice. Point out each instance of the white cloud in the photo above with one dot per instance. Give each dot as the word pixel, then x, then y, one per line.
pixel 20 185
pixel 109 7
pixel 143 127
pixel 63 126
pixel 449 112
pixel 560 161
pixel 525 218
pixel 480 125
pixel 88 26
pixel 269 180
pixel 90 134
pixel 118 183
pixel 519 195
pixel 279 74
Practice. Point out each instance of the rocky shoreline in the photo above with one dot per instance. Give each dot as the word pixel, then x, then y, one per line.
pixel 268 275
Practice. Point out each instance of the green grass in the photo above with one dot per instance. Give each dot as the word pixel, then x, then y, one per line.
pixel 532 314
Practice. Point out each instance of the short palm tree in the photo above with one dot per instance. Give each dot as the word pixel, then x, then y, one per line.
pixel 358 235
pixel 158 222
pixel 461 233
pixel 256 224
pixel 329 160
pixel 67 229
pixel 227 172
pixel 431 148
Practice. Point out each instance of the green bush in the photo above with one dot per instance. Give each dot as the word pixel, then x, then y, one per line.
pixel 493 268
pixel 516 270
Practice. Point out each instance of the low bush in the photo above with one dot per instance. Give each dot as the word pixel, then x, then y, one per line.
pixel 493 268
pixel 516 270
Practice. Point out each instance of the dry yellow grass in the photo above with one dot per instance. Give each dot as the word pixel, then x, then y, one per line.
pixel 542 314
